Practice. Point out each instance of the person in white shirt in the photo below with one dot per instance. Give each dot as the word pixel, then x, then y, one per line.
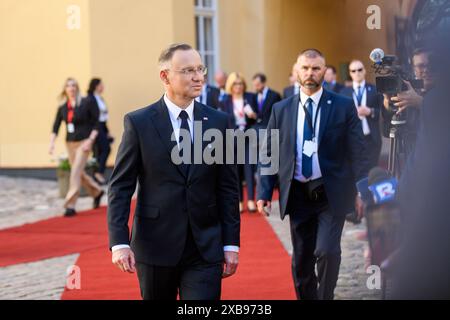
pixel 368 103
pixel 242 109
pixel 102 147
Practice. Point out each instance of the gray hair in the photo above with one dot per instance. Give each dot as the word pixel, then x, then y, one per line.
pixel 167 54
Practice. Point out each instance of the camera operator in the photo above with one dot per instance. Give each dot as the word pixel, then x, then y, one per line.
pixel 409 102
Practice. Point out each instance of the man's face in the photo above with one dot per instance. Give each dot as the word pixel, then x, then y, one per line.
pixel 258 85
pixel 183 77
pixel 357 71
pixel 221 79
pixel 422 70
pixel 310 72
pixel 330 76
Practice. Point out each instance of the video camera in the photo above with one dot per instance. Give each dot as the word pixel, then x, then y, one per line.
pixel 391 75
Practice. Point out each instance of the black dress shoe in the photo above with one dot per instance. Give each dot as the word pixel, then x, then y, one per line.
pixel 70 212
pixel 97 200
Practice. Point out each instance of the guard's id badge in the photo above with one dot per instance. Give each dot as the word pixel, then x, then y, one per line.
pixel 70 128
pixel 309 148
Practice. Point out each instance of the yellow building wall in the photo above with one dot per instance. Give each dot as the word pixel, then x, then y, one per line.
pixel 267 35
pixel 37 53
pixel 126 41
pixel 241 36
pixel 120 41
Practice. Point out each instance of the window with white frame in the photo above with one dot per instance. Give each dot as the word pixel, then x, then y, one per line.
pixel 206 32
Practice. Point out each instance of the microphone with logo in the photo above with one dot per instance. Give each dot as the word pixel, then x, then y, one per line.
pixel 378 193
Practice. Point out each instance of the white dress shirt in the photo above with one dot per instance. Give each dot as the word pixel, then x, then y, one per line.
pixel 103 117
pixel 262 95
pixel 174 113
pixel 296 88
pixel 239 113
pixel 365 124
pixel 316 173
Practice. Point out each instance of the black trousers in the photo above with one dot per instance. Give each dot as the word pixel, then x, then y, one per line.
pixel 316 239
pixel 102 147
pixel 192 279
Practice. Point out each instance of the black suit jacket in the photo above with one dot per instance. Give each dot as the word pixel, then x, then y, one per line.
pixel 167 201
pixel 341 157
pixel 212 97
pixel 85 119
pixel 272 97
pixel 375 101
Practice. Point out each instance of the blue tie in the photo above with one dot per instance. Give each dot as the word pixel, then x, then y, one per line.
pixel 359 95
pixel 307 136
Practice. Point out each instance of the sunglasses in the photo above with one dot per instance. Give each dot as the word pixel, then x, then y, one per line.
pixel 356 70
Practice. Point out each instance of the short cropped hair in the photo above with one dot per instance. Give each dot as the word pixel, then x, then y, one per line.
pixel 261 76
pixel 166 55
pixel 333 68
pixel 311 53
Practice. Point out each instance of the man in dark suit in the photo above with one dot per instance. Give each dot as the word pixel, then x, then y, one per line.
pixel 294 88
pixel 330 81
pixel 320 158
pixel 221 79
pixel 369 104
pixel 265 97
pixel 186 223
pixel 209 96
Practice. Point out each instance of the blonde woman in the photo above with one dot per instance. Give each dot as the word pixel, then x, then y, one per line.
pixel 241 107
pixel 81 131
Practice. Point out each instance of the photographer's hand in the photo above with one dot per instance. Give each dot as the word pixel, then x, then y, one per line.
pixel 406 99
pixel 364 111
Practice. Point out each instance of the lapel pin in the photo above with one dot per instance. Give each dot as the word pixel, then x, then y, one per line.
pixel 205 118
pixel 329 101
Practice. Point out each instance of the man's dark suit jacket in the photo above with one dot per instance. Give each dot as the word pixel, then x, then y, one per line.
pixel 341 157
pixel 336 87
pixel 167 201
pixel 272 97
pixel 212 97
pixel 288 92
pixel 375 101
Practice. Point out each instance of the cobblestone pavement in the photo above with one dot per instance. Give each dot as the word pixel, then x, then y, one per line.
pixel 29 200
pixel 41 280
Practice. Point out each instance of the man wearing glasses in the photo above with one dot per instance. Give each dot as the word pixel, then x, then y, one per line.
pixel 368 104
pixel 186 226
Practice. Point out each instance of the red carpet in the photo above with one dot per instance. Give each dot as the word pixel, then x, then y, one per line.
pixel 263 272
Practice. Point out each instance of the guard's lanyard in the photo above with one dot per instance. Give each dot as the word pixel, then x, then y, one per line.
pixel 309 119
